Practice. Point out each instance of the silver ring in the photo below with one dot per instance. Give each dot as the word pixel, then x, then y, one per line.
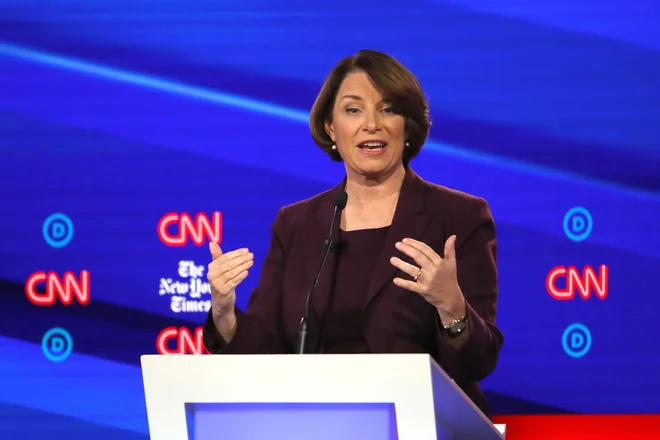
pixel 417 276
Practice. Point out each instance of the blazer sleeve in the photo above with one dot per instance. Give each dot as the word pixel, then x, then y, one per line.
pixel 476 264
pixel 259 329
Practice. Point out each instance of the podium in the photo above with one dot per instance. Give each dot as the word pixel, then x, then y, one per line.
pixel 310 397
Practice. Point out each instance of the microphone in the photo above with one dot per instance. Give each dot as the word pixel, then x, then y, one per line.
pixel 337 247
pixel 340 204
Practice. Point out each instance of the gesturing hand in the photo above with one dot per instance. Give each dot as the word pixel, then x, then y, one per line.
pixel 435 277
pixel 225 272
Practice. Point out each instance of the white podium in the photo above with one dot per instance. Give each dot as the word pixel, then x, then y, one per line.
pixel 307 397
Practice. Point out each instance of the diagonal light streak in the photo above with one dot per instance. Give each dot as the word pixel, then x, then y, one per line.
pixel 255 105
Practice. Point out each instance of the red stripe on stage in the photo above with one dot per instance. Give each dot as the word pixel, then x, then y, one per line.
pixel 569 427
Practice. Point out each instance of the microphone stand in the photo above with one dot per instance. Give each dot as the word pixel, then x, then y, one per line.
pixel 302 332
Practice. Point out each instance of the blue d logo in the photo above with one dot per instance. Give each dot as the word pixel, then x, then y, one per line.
pixel 576 340
pixel 58 230
pixel 578 223
pixel 57 344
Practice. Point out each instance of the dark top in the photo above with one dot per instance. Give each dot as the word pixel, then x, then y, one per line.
pixel 393 319
pixel 343 329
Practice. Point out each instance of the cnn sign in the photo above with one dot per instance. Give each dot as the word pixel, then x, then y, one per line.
pixel 173 340
pixel 565 283
pixel 178 229
pixel 65 287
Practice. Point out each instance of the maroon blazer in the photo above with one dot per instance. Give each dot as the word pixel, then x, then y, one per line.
pixel 395 320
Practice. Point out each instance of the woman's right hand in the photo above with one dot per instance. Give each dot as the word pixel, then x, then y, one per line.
pixel 225 272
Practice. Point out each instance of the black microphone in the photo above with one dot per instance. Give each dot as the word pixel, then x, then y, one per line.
pixel 340 204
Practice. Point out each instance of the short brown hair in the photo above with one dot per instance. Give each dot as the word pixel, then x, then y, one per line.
pixel 396 83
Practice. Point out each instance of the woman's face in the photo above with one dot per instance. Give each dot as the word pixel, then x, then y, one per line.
pixel 369 136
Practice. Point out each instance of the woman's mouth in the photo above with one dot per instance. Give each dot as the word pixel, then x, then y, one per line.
pixel 372 147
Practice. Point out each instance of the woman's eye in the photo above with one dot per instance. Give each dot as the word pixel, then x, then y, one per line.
pixel 352 110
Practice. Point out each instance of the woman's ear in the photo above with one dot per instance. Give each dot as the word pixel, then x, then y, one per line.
pixel 330 130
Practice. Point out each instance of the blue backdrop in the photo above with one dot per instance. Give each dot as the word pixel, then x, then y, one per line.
pixel 127 128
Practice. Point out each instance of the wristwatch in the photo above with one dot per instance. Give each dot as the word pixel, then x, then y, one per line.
pixel 456 327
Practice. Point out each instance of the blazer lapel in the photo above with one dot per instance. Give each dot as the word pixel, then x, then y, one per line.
pixel 410 221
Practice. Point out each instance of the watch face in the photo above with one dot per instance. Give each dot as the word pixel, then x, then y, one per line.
pixel 457 326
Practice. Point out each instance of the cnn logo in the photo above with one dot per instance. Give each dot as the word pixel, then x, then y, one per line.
pixel 582 283
pixel 65 288
pixel 173 340
pixel 176 230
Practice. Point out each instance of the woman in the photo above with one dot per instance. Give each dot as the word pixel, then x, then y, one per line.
pixel 415 271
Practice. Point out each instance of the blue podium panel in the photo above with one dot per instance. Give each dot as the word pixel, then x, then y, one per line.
pixel 291 421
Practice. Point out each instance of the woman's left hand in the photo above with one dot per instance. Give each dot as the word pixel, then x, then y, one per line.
pixel 434 278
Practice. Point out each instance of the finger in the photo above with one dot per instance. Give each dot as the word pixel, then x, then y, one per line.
pixel 409 285
pixel 225 269
pixel 424 248
pixel 216 252
pixel 229 256
pixel 219 267
pixel 236 271
pixel 238 279
pixel 421 259
pixel 450 248
pixel 405 267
